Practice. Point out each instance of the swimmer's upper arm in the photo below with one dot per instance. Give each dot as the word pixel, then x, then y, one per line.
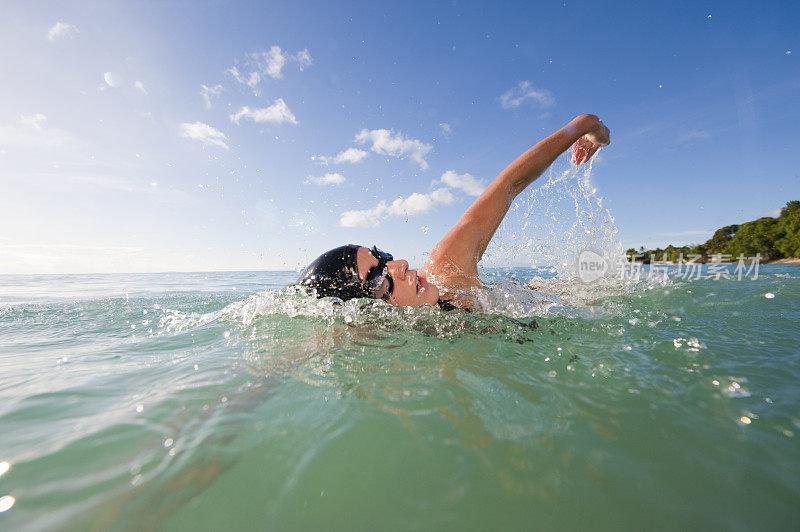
pixel 463 245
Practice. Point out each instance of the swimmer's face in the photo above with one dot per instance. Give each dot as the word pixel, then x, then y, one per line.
pixel 410 289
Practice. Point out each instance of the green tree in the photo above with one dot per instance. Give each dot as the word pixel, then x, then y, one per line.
pixel 758 236
pixel 789 221
pixel 719 242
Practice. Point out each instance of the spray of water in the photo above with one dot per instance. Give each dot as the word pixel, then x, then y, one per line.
pixel 548 228
pixel 549 225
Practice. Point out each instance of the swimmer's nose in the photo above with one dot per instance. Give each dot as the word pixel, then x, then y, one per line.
pixel 397 268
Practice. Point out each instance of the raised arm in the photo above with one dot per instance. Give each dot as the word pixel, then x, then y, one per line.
pixel 458 253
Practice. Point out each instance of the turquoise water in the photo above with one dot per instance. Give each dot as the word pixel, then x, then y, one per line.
pixel 217 401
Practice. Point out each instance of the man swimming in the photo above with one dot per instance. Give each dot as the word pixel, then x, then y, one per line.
pixel 450 274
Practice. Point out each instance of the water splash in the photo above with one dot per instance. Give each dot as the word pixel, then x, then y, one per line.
pixel 548 226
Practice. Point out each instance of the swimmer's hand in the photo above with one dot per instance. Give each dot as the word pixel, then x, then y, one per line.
pixel 587 145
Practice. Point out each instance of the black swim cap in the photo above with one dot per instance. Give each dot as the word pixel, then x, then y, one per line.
pixel 335 273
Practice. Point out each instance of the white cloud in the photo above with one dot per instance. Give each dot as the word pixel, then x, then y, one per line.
pixel 525 91
pixel 210 92
pixel 139 86
pixel 327 179
pixel 259 66
pixel 773 213
pixel 387 142
pixel 233 71
pixel 350 155
pixel 445 127
pixel 62 30
pixel 414 205
pixel 204 133
pixel 277 113
pixel 304 59
pixel 251 81
pixel 465 182
pixel 33 120
pixel 270 63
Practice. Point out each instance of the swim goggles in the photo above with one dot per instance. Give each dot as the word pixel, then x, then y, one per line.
pixel 377 274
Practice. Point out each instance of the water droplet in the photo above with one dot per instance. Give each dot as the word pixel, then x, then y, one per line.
pixel 4 467
pixel 769 295
pixel 168 442
pixel 744 420
pixel 139 408
pixel 6 502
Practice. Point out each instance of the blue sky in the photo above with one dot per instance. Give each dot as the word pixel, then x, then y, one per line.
pixel 156 136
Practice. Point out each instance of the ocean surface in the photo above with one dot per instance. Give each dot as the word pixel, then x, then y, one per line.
pixel 223 401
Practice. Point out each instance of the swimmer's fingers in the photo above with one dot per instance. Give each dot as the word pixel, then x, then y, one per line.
pixel 583 149
pixel 591 152
pixel 580 149
pixel 577 152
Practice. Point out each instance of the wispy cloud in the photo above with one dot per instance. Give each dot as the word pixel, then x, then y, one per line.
pixel 33 120
pixel 210 92
pixel 204 133
pixel 304 59
pixel 62 30
pixel 139 86
pixel 30 133
pixel 413 205
pixel 773 213
pixel 350 155
pixel 277 113
pixel 694 135
pixel 525 92
pixel 446 128
pixel 387 142
pixel 258 66
pixel 270 63
pixel 327 179
pixel 464 182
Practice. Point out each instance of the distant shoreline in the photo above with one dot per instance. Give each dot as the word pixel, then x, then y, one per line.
pixel 785 260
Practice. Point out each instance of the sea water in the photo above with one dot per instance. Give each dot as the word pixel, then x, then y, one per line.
pixel 226 401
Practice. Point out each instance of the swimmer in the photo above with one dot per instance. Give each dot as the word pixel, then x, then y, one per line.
pixel 451 273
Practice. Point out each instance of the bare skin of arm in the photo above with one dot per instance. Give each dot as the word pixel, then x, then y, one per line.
pixel 453 263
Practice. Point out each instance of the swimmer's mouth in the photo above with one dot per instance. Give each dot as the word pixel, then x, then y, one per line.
pixel 421 284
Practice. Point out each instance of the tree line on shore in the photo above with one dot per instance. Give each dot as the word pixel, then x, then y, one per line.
pixel 772 238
